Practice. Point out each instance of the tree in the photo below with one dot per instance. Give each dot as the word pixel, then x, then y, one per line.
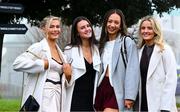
pixel 35 10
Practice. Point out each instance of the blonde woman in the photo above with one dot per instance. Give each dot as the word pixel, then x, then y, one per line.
pixel 158 69
pixel 45 64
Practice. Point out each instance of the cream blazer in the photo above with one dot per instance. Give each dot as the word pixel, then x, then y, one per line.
pixel 161 80
pixel 26 62
pixel 79 69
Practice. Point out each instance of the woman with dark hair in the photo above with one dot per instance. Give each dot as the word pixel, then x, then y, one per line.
pixel 117 87
pixel 86 64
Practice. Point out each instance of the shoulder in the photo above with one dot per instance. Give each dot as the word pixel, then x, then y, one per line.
pixel 95 48
pixel 69 49
pixel 168 52
pixel 129 41
pixel 35 46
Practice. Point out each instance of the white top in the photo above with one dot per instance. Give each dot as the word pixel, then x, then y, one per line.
pixel 107 57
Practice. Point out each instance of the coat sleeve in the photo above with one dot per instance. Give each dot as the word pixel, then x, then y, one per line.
pixel 132 75
pixel 169 88
pixel 67 53
pixel 27 62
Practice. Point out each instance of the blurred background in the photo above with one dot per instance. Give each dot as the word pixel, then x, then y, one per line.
pixel 167 13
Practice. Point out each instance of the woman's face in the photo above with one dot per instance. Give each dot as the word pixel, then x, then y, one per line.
pixel 113 24
pixel 54 30
pixel 147 31
pixel 84 29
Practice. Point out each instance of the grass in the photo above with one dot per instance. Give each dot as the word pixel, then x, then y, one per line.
pixel 9 105
pixel 13 105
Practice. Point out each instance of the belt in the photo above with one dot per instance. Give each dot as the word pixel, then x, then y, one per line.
pixel 58 82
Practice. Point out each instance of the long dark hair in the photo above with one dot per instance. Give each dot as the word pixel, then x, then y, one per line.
pixel 104 34
pixel 75 39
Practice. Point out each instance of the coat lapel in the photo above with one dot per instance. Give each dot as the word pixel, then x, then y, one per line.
pixel 96 59
pixel 45 48
pixel 116 53
pixel 155 58
pixel 78 61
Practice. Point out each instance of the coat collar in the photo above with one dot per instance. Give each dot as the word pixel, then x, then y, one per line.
pixel 154 60
pixel 116 52
pixel 79 62
pixel 45 48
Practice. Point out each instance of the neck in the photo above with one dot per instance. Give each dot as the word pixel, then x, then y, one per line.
pixel 149 43
pixel 85 43
pixel 51 43
pixel 112 37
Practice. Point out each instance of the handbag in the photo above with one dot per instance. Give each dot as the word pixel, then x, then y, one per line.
pixel 30 105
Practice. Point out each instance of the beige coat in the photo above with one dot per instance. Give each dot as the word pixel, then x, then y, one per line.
pixel 161 80
pixel 33 66
pixel 79 69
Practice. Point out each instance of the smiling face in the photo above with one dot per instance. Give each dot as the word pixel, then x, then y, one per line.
pixel 53 30
pixel 147 32
pixel 84 29
pixel 113 25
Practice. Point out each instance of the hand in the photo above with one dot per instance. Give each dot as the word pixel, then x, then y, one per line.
pixel 128 103
pixel 67 69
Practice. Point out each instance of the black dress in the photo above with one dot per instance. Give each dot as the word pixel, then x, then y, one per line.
pixel 82 99
pixel 144 64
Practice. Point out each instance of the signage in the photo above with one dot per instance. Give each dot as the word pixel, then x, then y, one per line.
pixel 13 28
pixel 11 8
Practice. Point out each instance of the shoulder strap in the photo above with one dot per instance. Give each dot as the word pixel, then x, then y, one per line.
pixel 124 53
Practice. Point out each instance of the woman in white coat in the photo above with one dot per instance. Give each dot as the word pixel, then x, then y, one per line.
pixel 45 64
pixel 158 69
pixel 85 66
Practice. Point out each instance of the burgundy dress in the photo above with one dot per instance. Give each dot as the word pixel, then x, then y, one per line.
pixel 105 96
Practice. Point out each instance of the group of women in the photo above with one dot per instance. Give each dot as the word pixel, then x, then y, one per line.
pixel 92 76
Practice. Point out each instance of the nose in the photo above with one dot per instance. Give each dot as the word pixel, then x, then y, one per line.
pixel 146 30
pixel 112 24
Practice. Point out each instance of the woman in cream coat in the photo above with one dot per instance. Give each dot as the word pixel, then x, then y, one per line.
pixel 158 69
pixel 44 62
pixel 85 66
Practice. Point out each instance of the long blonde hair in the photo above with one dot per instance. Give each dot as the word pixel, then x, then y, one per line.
pixel 158 38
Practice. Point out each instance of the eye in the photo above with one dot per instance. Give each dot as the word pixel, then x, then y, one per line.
pixel 116 22
pixel 51 26
pixel 109 21
pixel 150 28
pixel 142 28
pixel 54 26
pixel 88 25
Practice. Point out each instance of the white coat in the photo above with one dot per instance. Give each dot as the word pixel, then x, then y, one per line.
pixel 33 66
pixel 79 69
pixel 161 80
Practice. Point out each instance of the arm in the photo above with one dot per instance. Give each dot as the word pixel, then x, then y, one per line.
pixel 67 68
pixel 132 75
pixel 27 62
pixel 170 83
